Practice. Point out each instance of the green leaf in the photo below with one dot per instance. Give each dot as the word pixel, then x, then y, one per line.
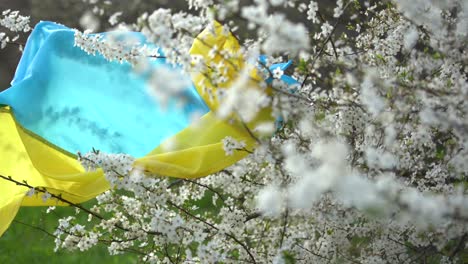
pixel 288 257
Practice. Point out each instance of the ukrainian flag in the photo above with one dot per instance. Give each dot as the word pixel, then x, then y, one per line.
pixel 63 101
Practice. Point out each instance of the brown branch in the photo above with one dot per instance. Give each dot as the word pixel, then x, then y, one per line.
pixel 58 197
pixel 311 252
pixel 322 48
pixel 252 216
pixel 243 178
pixel 244 246
pixel 36 227
pixel 460 246
pixel 331 39
pixel 166 252
pixel 284 229
pixel 305 99
pixel 61 199
pixel 249 131
pixel 175 183
pixel 130 250
pixel 209 188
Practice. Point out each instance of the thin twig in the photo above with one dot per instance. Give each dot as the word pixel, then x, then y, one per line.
pixel 285 225
pixel 36 227
pixel 322 48
pixel 61 199
pixel 252 216
pixel 215 228
pixel 331 39
pixel 311 252
pixel 209 188
pixel 460 246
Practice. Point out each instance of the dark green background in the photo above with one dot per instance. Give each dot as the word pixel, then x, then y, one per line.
pixel 25 244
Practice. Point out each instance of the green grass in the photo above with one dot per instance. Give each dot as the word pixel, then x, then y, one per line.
pixel 24 244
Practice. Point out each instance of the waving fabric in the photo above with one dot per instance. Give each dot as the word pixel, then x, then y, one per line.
pixel 63 101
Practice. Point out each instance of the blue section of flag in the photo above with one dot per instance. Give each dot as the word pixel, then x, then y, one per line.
pixel 79 101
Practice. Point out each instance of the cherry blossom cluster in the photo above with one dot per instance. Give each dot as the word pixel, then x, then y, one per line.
pixel 366 162
pixel 14 23
pixel 116 46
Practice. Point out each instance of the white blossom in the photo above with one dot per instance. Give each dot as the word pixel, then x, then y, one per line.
pixel 365 163
pixel 230 145
pixel 31 192
pixel 89 22
pixel 277 73
pixel 114 19
pixel 14 21
pixel 270 201
pixel 45 196
pixel 312 12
